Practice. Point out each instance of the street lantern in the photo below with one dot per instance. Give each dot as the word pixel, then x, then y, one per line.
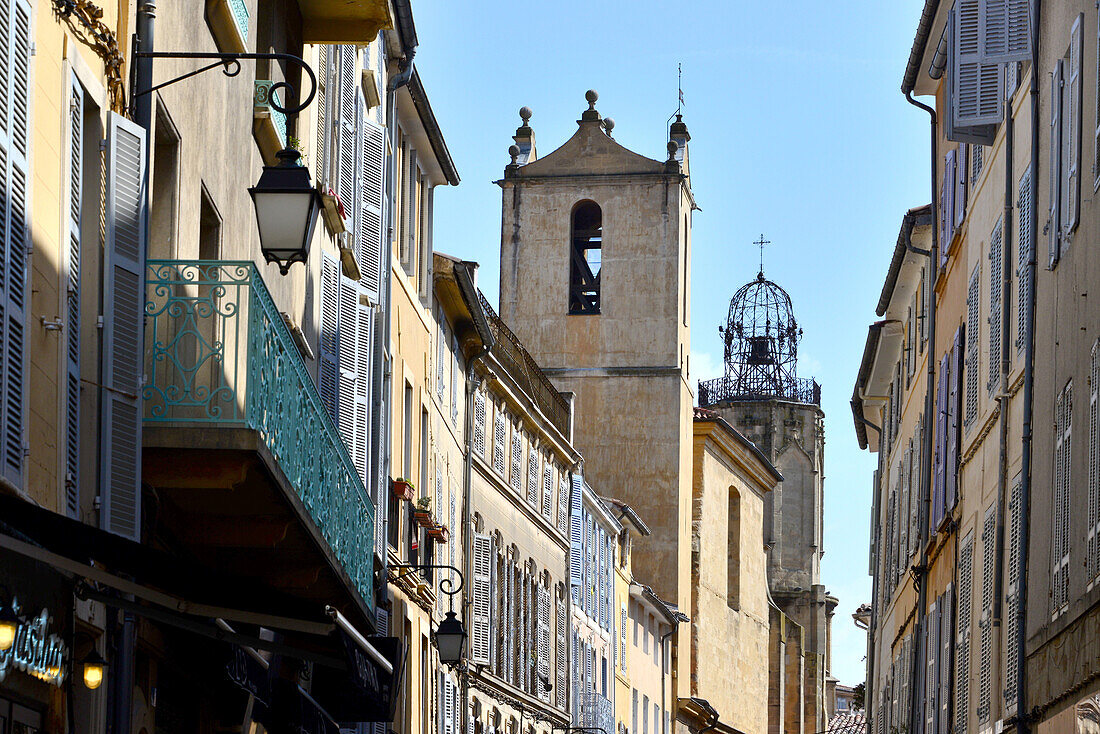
pixel 8 624
pixel 450 638
pixel 286 210
pixel 95 668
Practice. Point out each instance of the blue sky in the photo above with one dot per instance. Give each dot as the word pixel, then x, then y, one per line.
pixel 798 132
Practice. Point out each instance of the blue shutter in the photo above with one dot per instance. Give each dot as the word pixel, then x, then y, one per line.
pixel 72 312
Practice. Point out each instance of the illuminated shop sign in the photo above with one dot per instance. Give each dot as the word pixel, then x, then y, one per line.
pixel 36 651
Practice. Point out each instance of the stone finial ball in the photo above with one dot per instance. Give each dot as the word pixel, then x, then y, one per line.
pixel 609 124
pixel 525 114
pixel 591 95
pixel 672 146
pixel 513 150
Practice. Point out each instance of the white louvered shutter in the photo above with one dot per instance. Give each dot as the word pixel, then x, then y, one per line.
pixel 962 640
pixel 1060 536
pixel 1012 591
pixel 453 526
pixel 437 508
pixel 947 647
pixel 977 85
pixel 325 57
pixel 328 367
pixel 576 530
pixel 996 276
pixel 124 251
pixel 973 304
pixel 560 653
pixel 543 642
pixel 1071 213
pixel 496 607
pixel 509 627
pixel 1092 534
pixel 516 467
pixel 1022 250
pixel 347 384
pixel 563 504
pixel 72 300
pixel 368 236
pixel 364 380
pixel 533 476
pixel 985 623
pixel 500 434
pixel 931 660
pixel 15 33
pixel 1054 229
pixel 622 637
pixel 547 490
pixel 480 640
pixel 479 423
pixel 347 150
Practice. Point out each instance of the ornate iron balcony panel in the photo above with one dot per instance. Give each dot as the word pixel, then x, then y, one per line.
pixel 721 389
pixel 218 353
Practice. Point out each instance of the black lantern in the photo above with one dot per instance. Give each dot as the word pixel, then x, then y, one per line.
pixel 450 638
pixel 94 668
pixel 286 210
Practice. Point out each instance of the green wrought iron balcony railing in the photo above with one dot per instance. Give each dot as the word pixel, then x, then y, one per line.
pixel 218 353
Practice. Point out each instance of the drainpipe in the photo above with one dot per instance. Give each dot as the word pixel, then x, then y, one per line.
pixel 407 31
pixel 920 572
pixel 1022 723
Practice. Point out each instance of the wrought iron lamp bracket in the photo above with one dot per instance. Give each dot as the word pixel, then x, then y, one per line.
pixel 231 66
pixel 446 585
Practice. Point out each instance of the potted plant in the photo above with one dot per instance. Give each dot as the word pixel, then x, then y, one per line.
pixel 423 512
pixel 403 489
pixel 439 533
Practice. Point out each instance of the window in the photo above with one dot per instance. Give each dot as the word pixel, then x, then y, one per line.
pixel 733 573
pixel 645 714
pixel 1060 535
pixel 1022 251
pixel 996 268
pixel 210 227
pixel 162 217
pixel 976 160
pixel 585 258
pixel 973 303
pixel 634 711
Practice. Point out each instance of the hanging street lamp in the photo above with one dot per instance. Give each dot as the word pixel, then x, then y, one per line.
pixel 286 210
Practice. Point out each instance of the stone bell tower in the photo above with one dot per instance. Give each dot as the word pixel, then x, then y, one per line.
pixel 594 263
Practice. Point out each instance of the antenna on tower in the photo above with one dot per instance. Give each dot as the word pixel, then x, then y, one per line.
pixel 679 94
pixel 760 243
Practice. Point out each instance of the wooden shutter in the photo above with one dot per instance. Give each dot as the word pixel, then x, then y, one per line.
pixel 533 476
pixel 346 138
pixel 456 371
pixel 480 641
pixel 479 423
pixel 1005 31
pixel 72 300
pixel 1022 250
pixel 947 647
pixel 973 368
pixel 325 55
pixel 516 468
pixel 576 525
pixel 977 85
pixel 931 661
pixel 124 252
pixel 409 209
pixel 1012 590
pixel 939 477
pixel 1063 427
pixel 903 534
pixel 1054 229
pixel 985 624
pixel 14 218
pixel 368 237
pixel 622 638
pixel 500 433
pixel 996 276
pixel 509 626
pixel 1071 214
pixel 560 652
pixel 962 639
pixel 1092 535
pixel 954 422
pixel 328 367
pixel 959 202
pixel 547 489
pixel 563 504
pixel 543 641
pixel 348 388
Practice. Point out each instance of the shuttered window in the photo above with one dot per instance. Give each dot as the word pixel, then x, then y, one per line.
pixel 1053 228
pixel 996 275
pixel 456 372
pixel 347 150
pixel 947 648
pixel 124 251
pixel 515 469
pixel 72 300
pixel 533 476
pixel 1012 592
pixel 548 490
pixel 1023 246
pixel 543 641
pixel 479 423
pixel 1060 535
pixel 939 476
pixel 328 367
pixel 15 35
pixel 325 57
pixel 1092 541
pixel 1006 30
pixel 976 83
pixel 931 661
pixel 1072 151
pixel 561 662
pixel 500 437
pixel 962 638
pixel 576 533
pixel 947 204
pixel 954 421
pixel 985 623
pixel 480 640
pixel 368 232
pixel 973 306
pixel 563 504
pixel 961 177
pixel 977 160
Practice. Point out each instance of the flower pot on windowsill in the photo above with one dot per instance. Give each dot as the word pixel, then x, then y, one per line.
pixel 439 533
pixel 423 517
pixel 403 489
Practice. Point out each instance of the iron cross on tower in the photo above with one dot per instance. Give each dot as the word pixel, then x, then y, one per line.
pixel 760 243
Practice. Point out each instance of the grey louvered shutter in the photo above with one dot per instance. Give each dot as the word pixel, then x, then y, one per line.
pixel 325 56
pixel 456 372
pixel 962 640
pixel 509 626
pixel 348 387
pixel 369 235
pixel 547 489
pixel 954 422
pixel 72 300
pixel 560 653
pixel 576 525
pixel 563 504
pixel 328 367
pixel 996 276
pixel 960 184
pixel 1012 590
pixel 480 640
pixel 939 476
pixel 1060 535
pixel 533 476
pixel 543 641
pixel 479 423
pixel 1022 250
pixel 931 660
pixel 1092 534
pixel 15 33
pixel 346 140
pixel 1054 229
pixel 363 388
pixel 410 207
pixel 516 468
pixel 1071 213
pixel 1005 31
pixel 500 433
pixel 124 252
pixel 951 167
pixel 973 339
pixel 947 647
pixel 985 624
pixel 976 85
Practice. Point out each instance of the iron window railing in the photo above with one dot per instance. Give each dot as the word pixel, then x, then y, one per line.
pixel 799 390
pixel 218 353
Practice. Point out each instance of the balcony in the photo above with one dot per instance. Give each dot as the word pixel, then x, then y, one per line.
pixel 248 469
pixel 340 21
pixel 596 711
pixel 721 389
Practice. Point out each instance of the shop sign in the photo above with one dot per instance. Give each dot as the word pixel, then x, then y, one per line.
pixel 36 651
